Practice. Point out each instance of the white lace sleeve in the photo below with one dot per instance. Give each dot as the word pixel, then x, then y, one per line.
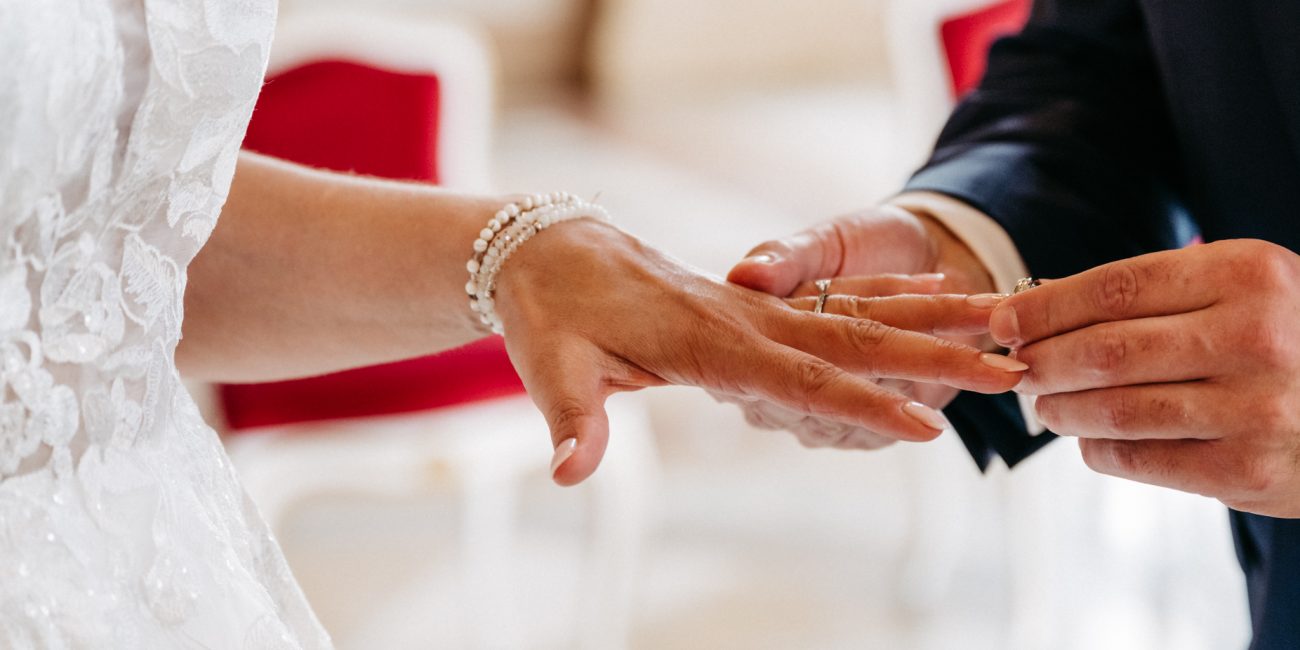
pixel 121 522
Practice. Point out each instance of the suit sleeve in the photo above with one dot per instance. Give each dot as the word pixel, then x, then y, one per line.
pixel 1067 145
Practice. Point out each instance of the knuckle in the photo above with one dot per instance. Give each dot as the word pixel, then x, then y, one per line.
pixel 564 412
pixel 860 307
pixel 1270 343
pixel 814 377
pixel 1273 415
pixel 1171 411
pixel 755 417
pixel 1119 413
pixel 1118 290
pixel 1273 266
pixel 1260 475
pixel 1124 459
pixel 869 334
pixel 1108 353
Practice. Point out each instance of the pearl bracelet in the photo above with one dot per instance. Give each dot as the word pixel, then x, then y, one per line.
pixel 515 224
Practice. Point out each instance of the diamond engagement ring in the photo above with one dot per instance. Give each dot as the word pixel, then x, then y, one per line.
pixel 824 291
pixel 1025 284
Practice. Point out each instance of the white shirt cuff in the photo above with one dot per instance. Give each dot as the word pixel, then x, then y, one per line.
pixel 991 246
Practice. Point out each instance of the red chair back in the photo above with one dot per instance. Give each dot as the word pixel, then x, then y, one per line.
pixel 967 38
pixel 347 117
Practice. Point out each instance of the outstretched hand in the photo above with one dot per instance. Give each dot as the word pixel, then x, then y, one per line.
pixel 589 311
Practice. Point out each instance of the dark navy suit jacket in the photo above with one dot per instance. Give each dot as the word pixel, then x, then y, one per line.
pixel 1112 128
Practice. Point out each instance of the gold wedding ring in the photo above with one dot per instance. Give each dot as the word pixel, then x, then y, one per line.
pixel 1025 284
pixel 824 292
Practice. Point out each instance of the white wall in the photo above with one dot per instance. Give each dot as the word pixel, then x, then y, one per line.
pixel 645 47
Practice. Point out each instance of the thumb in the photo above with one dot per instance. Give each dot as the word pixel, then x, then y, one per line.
pixel 778 267
pixel 569 391
pixel 885 239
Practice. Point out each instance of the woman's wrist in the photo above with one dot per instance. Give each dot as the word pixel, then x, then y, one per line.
pixel 508 231
pixel 577 255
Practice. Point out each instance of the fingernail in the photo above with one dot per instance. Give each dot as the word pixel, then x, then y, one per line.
pixel 927 416
pixel 562 453
pixel 1003 363
pixel 985 300
pixel 762 258
pixel 1004 325
pixel 931 277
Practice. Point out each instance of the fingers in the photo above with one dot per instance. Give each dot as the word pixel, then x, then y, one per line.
pixel 1143 351
pixel 808 385
pixel 1159 284
pixel 938 315
pixel 811 432
pixel 777 267
pixel 873 349
pixel 1154 411
pixel 1186 465
pixel 569 389
pixel 877 285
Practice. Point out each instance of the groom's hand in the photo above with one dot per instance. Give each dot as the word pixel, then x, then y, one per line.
pixel 1179 369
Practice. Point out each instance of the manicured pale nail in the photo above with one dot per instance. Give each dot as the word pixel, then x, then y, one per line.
pixel 562 453
pixel 1003 363
pixel 762 258
pixel 1004 325
pixel 985 300
pixel 927 416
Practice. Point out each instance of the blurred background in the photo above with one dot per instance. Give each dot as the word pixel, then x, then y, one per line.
pixel 413 500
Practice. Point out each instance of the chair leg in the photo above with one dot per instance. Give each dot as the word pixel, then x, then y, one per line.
pixel 487 540
pixel 621 505
pixel 941 512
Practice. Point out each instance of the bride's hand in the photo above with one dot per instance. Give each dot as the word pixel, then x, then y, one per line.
pixel 906 302
pixel 589 311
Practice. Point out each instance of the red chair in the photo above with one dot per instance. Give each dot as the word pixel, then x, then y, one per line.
pixel 411 100
pixel 967 37
pixel 383 119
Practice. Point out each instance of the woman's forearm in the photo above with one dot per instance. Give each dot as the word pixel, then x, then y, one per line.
pixel 310 272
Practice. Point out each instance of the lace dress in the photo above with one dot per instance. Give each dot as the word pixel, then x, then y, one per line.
pixel 121 522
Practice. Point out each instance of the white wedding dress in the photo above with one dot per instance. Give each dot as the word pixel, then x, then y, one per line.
pixel 122 524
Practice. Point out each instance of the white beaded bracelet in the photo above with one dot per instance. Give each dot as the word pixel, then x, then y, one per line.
pixel 515 224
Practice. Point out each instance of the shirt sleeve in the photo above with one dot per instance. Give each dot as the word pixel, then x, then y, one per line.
pixel 991 245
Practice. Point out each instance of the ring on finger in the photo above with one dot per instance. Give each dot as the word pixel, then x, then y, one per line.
pixel 1025 284
pixel 823 292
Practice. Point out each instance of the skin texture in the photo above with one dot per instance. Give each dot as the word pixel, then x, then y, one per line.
pixel 309 272
pixel 879 252
pixel 1179 369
